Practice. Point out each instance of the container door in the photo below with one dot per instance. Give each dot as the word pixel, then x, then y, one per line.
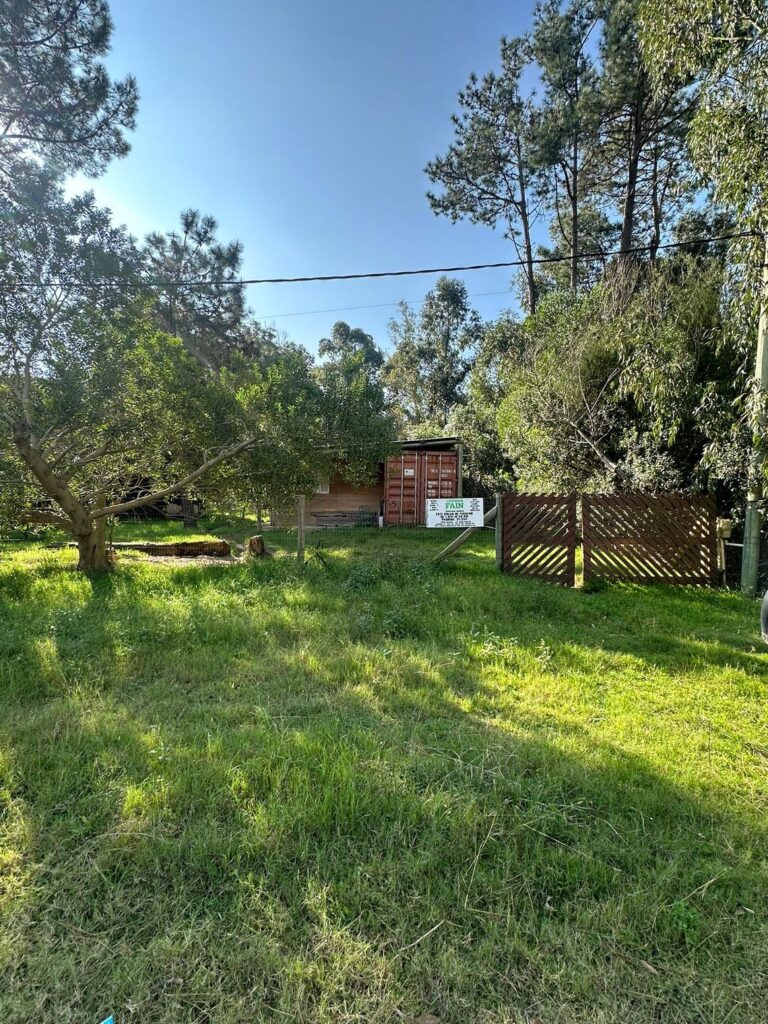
pixel 401 489
pixel 449 478
pixel 437 479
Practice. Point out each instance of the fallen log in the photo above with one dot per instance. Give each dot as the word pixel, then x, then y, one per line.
pixel 177 549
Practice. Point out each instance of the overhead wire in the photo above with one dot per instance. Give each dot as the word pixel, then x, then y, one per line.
pixel 373 305
pixel 203 283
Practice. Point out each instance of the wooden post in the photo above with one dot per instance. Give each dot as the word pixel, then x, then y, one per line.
pixel 499 526
pixel 586 539
pixel 464 537
pixel 300 525
pixel 750 556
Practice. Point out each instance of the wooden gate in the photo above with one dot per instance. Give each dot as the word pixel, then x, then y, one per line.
pixel 539 537
pixel 669 538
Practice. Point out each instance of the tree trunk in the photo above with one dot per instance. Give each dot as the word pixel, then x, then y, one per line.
pixel 575 217
pixel 92 552
pixel 530 278
pixel 91 541
pixel 656 207
pixel 630 197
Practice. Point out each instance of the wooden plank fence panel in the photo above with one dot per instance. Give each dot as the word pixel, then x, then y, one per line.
pixel 539 537
pixel 667 538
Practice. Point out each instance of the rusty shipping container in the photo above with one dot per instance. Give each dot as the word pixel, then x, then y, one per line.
pixel 413 477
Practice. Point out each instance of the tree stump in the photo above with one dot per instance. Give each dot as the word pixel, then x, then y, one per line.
pixel 257 548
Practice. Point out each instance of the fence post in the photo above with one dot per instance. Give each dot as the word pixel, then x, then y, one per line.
pixel 572 510
pixel 300 534
pixel 586 544
pixel 753 519
pixel 499 532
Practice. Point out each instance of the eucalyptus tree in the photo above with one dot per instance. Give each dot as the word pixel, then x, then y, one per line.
pixel 425 376
pixel 353 347
pixel 723 46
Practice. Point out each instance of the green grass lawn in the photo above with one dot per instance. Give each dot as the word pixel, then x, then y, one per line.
pixel 369 790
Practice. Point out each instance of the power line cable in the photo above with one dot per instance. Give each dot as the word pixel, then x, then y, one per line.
pixel 597 254
pixel 374 305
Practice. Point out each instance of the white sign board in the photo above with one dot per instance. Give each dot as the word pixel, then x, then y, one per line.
pixel 454 512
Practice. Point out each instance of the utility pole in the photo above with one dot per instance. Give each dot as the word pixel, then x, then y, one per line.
pixel 750 557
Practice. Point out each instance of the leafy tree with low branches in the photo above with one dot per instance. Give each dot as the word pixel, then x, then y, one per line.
pixel 89 395
pixel 558 417
pixel 93 398
pixel 309 421
pixel 627 388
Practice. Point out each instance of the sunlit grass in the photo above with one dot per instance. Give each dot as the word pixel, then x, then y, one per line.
pixel 370 786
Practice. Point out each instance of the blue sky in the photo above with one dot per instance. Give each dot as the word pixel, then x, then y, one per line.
pixel 304 127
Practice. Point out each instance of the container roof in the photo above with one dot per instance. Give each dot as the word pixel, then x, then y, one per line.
pixel 429 442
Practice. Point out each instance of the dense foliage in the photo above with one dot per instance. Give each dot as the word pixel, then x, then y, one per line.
pixel 103 413
pixel 57 101
pixel 132 373
pixel 621 127
pixel 617 126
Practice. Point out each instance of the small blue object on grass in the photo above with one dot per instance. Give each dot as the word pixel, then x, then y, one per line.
pixel 109 1020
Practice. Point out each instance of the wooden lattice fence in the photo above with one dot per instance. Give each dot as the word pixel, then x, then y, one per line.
pixel 668 538
pixel 641 538
pixel 539 537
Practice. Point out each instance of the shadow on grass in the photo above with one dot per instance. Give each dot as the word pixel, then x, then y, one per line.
pixel 251 792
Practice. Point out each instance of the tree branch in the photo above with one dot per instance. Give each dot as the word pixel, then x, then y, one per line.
pixel 609 464
pixel 94 456
pixel 146 499
pixel 46 519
